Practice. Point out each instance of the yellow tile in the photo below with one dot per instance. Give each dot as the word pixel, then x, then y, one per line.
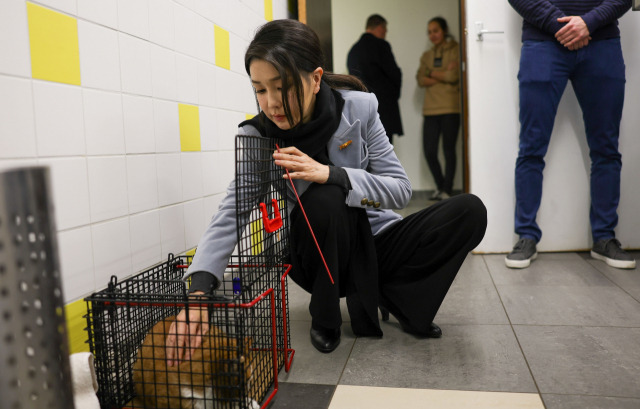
pixel 76 324
pixel 53 38
pixel 255 236
pixel 223 56
pixel 348 397
pixel 268 10
pixel 189 128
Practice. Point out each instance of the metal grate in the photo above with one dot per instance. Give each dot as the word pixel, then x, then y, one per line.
pixel 34 354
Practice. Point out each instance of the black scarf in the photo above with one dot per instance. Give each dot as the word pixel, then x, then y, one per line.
pixel 311 137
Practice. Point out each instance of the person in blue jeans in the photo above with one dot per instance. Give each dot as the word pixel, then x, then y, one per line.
pixel 576 40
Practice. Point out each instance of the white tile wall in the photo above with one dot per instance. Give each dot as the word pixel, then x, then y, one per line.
pixel 142 183
pixel 166 126
pixel 145 240
pixel 133 17
pixel 234 91
pixel 186 33
pixel 99 11
pixel 138 124
pixel 190 4
pixel 187 76
pixel 14 39
pixel 68 6
pixel 191 175
pixel 111 246
pixel 228 128
pixel 209 173
pixel 7 164
pixel 76 263
pixel 206 41
pixel 124 194
pixel 239 46
pixel 70 186
pixel 225 14
pixel 246 27
pixel 59 122
pixel 163 73
pixel 194 222
pixel 208 129
pixel 161 24
pixel 107 187
pixel 99 56
pixel 135 65
pixel 206 84
pixel 104 130
pixel 172 229
pixel 222 169
pixel 257 6
pixel 16 118
pixel 169 178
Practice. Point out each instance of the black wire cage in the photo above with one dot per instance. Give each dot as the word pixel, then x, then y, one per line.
pixel 244 340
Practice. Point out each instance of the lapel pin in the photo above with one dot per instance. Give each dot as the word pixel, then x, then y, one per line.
pixel 344 145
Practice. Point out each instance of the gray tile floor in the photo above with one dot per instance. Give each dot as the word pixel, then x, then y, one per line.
pixel 567 328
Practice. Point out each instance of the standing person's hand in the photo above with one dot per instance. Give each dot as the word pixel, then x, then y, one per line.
pixel 185 333
pixel 300 165
pixel 575 33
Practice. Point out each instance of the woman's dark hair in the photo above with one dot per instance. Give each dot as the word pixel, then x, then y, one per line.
pixel 293 49
pixel 443 25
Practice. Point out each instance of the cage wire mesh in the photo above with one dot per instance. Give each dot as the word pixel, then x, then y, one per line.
pixel 247 338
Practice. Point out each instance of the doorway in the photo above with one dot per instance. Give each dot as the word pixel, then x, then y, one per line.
pixel 407 35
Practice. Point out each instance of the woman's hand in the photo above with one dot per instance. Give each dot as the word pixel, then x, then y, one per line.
pixel 301 166
pixel 185 333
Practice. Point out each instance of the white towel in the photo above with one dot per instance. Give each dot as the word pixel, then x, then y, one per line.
pixel 85 384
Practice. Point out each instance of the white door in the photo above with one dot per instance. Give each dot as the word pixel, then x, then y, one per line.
pixel 492 67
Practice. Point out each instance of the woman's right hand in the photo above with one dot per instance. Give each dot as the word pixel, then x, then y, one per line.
pixel 185 333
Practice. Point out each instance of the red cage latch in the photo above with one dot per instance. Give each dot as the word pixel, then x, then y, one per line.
pixel 271 225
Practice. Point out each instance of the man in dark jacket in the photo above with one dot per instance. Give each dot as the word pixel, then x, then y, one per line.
pixel 371 60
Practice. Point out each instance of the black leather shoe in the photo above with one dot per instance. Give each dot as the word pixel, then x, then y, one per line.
pixel 325 340
pixel 434 331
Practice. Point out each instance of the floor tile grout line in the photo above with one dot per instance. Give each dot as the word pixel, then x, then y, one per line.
pixel 514 332
pixel 608 278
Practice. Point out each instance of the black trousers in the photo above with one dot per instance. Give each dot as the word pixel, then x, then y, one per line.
pixel 433 126
pixel 416 259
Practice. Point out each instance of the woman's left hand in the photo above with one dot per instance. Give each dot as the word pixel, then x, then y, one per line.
pixel 300 165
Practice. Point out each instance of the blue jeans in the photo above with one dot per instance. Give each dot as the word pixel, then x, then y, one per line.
pixel 597 73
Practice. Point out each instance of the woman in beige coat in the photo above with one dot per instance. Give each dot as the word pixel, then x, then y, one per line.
pixel 439 74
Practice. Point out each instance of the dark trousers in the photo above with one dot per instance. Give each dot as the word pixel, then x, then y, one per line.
pixel 597 73
pixel 448 126
pixel 417 258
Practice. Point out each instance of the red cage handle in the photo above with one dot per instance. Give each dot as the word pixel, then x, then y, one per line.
pixel 271 225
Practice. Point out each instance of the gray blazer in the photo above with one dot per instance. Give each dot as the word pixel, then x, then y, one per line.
pixel 378 181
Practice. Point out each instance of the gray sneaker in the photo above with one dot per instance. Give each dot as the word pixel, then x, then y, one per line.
pixel 609 251
pixel 523 252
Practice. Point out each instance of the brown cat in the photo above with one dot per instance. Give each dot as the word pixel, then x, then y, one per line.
pixel 212 373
